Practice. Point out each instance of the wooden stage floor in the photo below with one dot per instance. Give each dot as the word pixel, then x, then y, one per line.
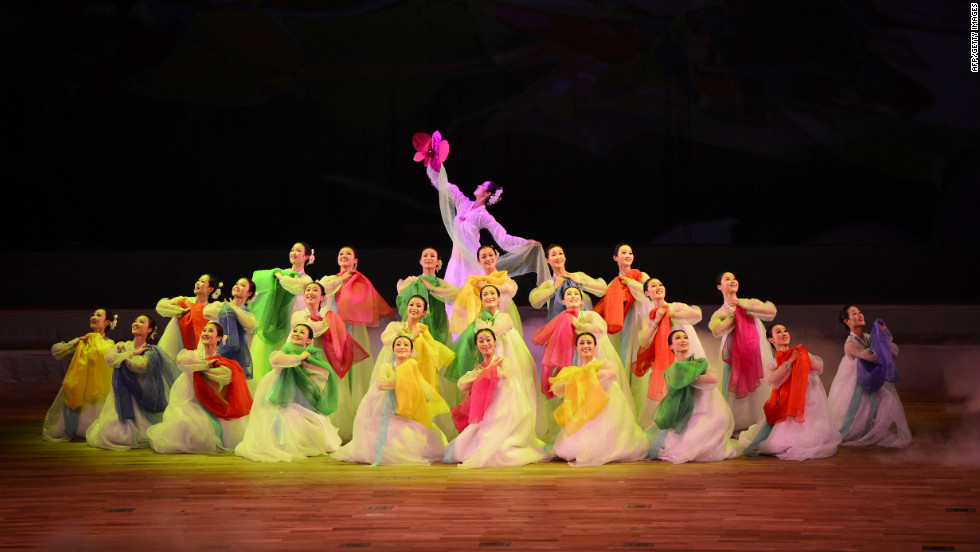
pixel 73 497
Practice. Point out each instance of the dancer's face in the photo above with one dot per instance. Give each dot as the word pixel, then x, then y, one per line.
pixel 485 343
pixel 488 258
pixel 346 258
pixel 430 259
pixel 572 299
pixel 728 283
pixel 241 289
pixel 855 318
pixel 655 289
pixel 141 327
pixel 300 336
pixel 298 255
pixel 680 343
pixel 489 297
pixel 402 348
pixel 312 293
pixel 415 308
pixel 624 257
pixel 780 335
pixel 98 320
pixel 482 191
pixel 202 285
pixel 209 335
pixel 585 346
pixel 556 258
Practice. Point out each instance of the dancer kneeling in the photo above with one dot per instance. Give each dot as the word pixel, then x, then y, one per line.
pixel 290 417
pixel 598 425
pixel 142 375
pixel 693 423
pixel 209 402
pixel 797 425
pixel 394 421
pixel 495 420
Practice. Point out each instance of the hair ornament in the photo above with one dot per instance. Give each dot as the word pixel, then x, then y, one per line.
pixel 154 334
pixel 438 265
pixel 115 319
pixel 217 292
pixel 312 256
pixel 495 198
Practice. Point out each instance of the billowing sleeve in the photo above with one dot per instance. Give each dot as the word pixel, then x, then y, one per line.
pixel 509 289
pixel 279 359
pixel 445 291
pixel 138 364
pixel 859 351
pixel 540 295
pixel 61 349
pixel 331 283
pixel 592 322
pixel 212 310
pixel 722 321
pixel 636 288
pixel 189 362
pixel 466 381
pixel 168 308
pixel 502 323
pixel 295 284
pixel 595 286
pixel 683 313
pixel 500 235
pixel 764 311
pixel 246 318
pixel 392 330
pixel 457 195
pixel 816 364
pixel 401 284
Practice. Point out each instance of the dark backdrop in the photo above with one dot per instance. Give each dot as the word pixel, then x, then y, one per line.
pixel 810 140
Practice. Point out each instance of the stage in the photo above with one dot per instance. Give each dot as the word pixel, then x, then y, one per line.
pixel 71 496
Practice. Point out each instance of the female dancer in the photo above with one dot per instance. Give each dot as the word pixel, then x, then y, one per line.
pixel 559 337
pixel 186 315
pixel 339 349
pixel 278 295
pixel 142 375
pixel 436 292
pixel 86 384
pixel 510 345
pixel 655 355
pixel 693 422
pixel 290 420
pixel 238 323
pixel 394 421
pixel 864 404
pixel 351 295
pixel 495 421
pixel 624 307
pixel 464 218
pixel 551 291
pixel 468 302
pixel 797 425
pixel 743 351
pixel 598 425
pixel 209 402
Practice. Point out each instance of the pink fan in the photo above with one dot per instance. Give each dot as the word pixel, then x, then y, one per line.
pixel 431 151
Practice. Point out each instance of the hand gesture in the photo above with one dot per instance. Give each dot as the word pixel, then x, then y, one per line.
pixel 427 285
pixel 140 351
pixel 793 356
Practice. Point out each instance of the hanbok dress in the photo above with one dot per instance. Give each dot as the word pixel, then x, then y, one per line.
pixel 863 414
pixel 550 295
pixel 655 356
pixel 183 330
pixel 208 407
pixel 495 421
pixel 341 351
pixel 140 387
pixel 290 417
pixel 239 326
pixel 797 424
pixel 276 299
pixel 559 337
pixel 360 306
pixel 394 421
pixel 693 422
pixel 442 293
pixel 742 355
pixel 624 307
pixel 468 301
pixel 598 425
pixel 83 391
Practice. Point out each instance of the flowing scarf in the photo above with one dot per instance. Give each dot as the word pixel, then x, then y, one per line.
pixel 465 348
pixel 675 410
pixel 149 390
pixel 359 304
pixel 658 356
pixel 435 316
pixel 230 401
pixel 555 306
pixel 430 354
pixel 416 398
pixel 789 399
pixel 235 344
pixel 273 305
pixel 558 338
pixel 340 348
pixel 584 396
pixel 872 375
pixel 617 302
pixel 296 379
pixel 474 405
pixel 88 378
pixel 191 323
pixel 741 352
pixel 468 302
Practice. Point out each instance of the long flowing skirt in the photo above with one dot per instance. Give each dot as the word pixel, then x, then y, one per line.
pixel 707 436
pixel 187 427
pixel 887 428
pixel 612 436
pixel 815 437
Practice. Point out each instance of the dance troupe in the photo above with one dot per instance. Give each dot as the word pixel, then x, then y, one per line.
pixel 283 369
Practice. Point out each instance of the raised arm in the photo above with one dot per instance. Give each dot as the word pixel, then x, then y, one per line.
pixel 279 359
pixel 764 311
pixel 540 295
pixel 595 286
pixel 722 321
pixel 62 349
pixel 294 284
pixel 168 308
pixel 682 313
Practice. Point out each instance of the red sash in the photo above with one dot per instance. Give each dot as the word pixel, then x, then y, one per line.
pixel 191 323
pixel 789 399
pixel 358 303
pixel 658 356
pixel 340 348
pixel 617 302
pixel 558 338
pixel 233 401
pixel 472 408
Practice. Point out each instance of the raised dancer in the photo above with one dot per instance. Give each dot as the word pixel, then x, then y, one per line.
pixel 743 352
